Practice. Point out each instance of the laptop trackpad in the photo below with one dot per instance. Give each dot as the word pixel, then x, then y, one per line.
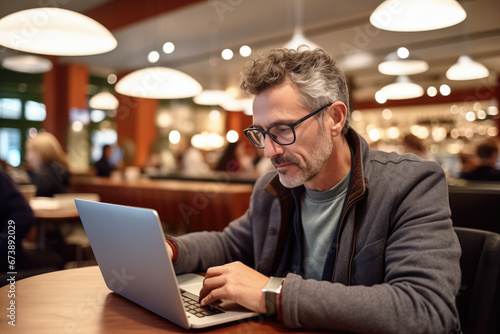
pixel 191 283
pixel 228 305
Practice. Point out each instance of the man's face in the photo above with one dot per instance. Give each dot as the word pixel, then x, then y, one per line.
pixel 300 162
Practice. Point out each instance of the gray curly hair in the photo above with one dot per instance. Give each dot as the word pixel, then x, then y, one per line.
pixel 319 79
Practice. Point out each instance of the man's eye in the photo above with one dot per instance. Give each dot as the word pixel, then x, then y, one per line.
pixel 281 129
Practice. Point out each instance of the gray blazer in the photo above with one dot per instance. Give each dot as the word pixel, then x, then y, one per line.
pixel 397 260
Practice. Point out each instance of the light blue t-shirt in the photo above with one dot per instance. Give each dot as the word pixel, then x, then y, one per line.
pixel 320 212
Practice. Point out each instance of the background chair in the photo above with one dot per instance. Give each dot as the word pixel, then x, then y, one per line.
pixel 478 301
pixel 475 205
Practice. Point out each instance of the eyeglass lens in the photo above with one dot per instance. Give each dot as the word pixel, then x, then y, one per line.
pixel 282 134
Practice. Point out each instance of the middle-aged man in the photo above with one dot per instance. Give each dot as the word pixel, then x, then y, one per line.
pixel 355 239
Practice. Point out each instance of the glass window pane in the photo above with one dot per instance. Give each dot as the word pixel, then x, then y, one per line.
pixel 35 111
pixel 10 108
pixel 10 146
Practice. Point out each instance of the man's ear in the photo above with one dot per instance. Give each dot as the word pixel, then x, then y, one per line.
pixel 337 117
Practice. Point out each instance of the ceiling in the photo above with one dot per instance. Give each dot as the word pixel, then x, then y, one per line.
pixel 200 30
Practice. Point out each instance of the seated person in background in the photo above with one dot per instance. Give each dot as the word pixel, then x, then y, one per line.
pixel 103 166
pixel 356 240
pixel 415 145
pixel 49 166
pixel 16 220
pixel 468 160
pixel 234 159
pixel 192 161
pixel 487 156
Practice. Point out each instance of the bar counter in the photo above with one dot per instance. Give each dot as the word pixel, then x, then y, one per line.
pixel 183 205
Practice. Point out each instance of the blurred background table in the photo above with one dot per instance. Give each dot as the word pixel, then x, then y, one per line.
pixel 56 210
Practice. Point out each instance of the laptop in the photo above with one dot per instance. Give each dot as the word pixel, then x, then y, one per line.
pixel 130 249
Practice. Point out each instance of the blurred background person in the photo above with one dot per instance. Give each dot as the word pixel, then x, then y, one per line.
pixel 17 218
pixel 235 159
pixel 192 161
pixel 468 159
pixel 487 156
pixel 49 170
pixel 229 161
pixel 415 145
pixel 104 166
pixel 161 159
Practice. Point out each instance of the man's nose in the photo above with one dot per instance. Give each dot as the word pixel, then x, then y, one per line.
pixel 271 148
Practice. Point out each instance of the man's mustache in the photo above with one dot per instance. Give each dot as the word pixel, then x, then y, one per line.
pixel 280 160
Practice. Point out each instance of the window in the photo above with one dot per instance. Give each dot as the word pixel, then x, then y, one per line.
pixel 35 111
pixel 18 117
pixel 10 146
pixel 10 108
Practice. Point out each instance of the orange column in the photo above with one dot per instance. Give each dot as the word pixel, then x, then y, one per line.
pixel 136 128
pixel 238 121
pixel 64 87
pixel 497 97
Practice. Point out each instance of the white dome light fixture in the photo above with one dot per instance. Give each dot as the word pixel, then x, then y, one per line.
pixel 55 31
pixel 27 64
pixel 417 15
pixel 467 69
pixel 104 101
pixel 393 64
pixel 158 83
pixel 211 97
pixel 298 37
pixel 403 88
pixel 244 105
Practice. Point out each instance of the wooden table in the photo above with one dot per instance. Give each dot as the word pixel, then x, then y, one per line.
pixel 78 301
pixel 48 216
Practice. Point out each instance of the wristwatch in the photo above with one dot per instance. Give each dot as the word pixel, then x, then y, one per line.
pixel 271 290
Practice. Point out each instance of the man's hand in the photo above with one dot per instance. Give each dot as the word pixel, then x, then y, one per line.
pixel 170 251
pixel 236 282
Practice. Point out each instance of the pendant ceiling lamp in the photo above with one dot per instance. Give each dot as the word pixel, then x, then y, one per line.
pixel 158 83
pixel 211 97
pixel 244 105
pixel 417 15
pixel 403 88
pixel 394 64
pixel 27 64
pixel 467 69
pixel 55 31
pixel 103 101
pixel 298 37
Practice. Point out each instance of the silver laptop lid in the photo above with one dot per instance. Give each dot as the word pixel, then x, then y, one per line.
pixel 120 246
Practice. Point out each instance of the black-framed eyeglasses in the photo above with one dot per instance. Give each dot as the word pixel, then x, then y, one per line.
pixel 282 134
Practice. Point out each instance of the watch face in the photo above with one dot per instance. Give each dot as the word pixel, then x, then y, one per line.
pixel 274 284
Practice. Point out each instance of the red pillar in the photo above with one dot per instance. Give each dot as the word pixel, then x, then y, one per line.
pixel 238 121
pixel 64 87
pixel 136 126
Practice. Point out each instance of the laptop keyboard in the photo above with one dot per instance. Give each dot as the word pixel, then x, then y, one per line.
pixel 192 306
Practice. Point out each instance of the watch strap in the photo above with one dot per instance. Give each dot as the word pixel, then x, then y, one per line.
pixel 272 288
